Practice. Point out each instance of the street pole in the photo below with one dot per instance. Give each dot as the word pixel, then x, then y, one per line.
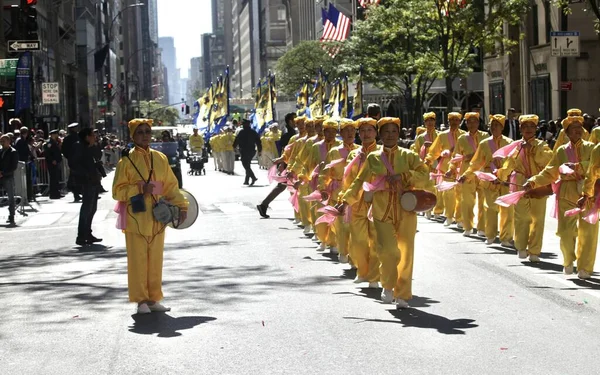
pixel 107 95
pixel 564 70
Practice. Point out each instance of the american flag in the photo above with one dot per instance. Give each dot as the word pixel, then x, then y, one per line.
pixel 366 3
pixel 336 28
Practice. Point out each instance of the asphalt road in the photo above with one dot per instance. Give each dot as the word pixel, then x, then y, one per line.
pixel 252 296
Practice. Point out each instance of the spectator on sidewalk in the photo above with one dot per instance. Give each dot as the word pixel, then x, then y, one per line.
pixel 68 148
pixel 98 153
pixel 53 163
pixel 9 160
pixel 22 147
pixel 86 174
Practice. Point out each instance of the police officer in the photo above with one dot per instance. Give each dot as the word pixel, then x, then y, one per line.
pixel 53 161
pixel 9 160
pixel 67 149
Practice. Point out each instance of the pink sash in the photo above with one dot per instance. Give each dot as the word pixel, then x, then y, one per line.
pixel 121 209
pixel 379 183
pixel 493 148
pixel 330 215
pixel 572 157
pixel 422 153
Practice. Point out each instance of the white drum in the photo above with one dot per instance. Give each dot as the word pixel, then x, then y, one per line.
pixel 192 213
pixel 417 201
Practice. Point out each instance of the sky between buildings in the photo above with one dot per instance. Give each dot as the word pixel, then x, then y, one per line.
pixel 184 20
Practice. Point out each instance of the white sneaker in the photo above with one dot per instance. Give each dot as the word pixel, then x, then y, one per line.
pixel 467 233
pixel 522 254
pixel 481 233
pixel 360 280
pixel 534 258
pixel 583 275
pixel 321 247
pixel 315 239
pixel 143 309
pixel 437 217
pixel 307 230
pixel 488 241
pixel 428 215
pixel 387 296
pixel 401 304
pixel 447 223
pixel 374 284
pixel 568 270
pixel 296 222
pixel 459 225
pixel 333 250
pixel 157 306
pixel 343 259
pixel 507 244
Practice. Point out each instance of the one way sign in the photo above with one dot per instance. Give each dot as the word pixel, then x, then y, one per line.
pixel 565 43
pixel 23 45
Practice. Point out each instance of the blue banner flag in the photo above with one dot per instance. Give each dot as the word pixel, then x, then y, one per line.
pixel 23 83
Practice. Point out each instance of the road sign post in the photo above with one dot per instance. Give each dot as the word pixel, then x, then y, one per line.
pixel 23 45
pixel 50 93
pixel 565 43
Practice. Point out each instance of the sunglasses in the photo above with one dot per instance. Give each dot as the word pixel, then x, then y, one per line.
pixel 143 132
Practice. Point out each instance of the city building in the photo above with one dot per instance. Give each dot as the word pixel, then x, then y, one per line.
pixel 169 58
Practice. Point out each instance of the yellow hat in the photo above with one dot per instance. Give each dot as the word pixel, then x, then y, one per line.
pixel 428 116
pixel 319 120
pixel 300 119
pixel 388 120
pixel 454 115
pixel 366 121
pixel 309 121
pixel 330 123
pixel 529 118
pixel 470 115
pixel 345 122
pixel 574 112
pixel 499 118
pixel 570 120
pixel 133 124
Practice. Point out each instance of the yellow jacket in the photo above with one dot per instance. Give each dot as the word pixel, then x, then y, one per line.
pixel 421 139
pixel 482 160
pixel 355 169
pixel 562 138
pixel 215 143
pixel 386 204
pixel 301 167
pixel 467 146
pixel 335 174
pixel 227 140
pixel 537 158
pixel 196 143
pixel 595 136
pixel 268 141
pixel 125 186
pixel 571 184
pixel 442 143
pixel 593 172
pixel 288 151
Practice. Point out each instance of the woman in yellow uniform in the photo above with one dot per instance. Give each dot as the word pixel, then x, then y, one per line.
pixel 441 151
pixel 484 161
pixel 296 171
pixel 141 179
pixel 467 145
pixel 330 183
pixel 574 156
pixel 586 257
pixel 562 138
pixel 362 248
pixel 531 157
pixel 397 170
pixel 421 146
pixel 270 153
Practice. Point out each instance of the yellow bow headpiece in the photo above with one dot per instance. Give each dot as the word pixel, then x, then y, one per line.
pixel 388 120
pixel 529 118
pixel 454 115
pixel 366 121
pixel 133 124
pixel 345 122
pixel 571 120
pixel 470 115
pixel 499 118
pixel 300 119
pixel 429 116
pixel 319 120
pixel 574 112
pixel 330 123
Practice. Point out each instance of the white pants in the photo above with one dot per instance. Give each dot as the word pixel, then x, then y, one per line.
pixel 229 161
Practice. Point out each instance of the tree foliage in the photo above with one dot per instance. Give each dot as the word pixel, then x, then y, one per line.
pixel 159 112
pixel 302 63
pixel 593 5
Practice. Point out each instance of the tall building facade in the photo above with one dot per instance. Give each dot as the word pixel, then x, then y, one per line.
pixel 169 58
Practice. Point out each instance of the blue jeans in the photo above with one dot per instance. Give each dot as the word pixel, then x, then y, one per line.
pixel 8 183
pixel 89 206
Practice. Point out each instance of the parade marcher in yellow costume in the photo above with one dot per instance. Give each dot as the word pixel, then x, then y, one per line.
pixel 531 157
pixel 421 146
pixel 227 149
pixel 269 151
pixel 142 178
pixel 331 182
pixel 569 166
pixel 466 146
pixel 290 152
pixel 315 161
pixel 214 147
pixel 362 248
pixel 389 172
pixel 196 142
pixel 589 201
pixel 296 171
pixel 562 138
pixel 484 161
pixel 441 151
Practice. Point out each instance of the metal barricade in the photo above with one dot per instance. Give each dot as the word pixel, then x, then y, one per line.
pixel 40 178
pixel 20 180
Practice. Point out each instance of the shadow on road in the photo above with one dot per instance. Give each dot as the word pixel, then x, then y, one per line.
pixel 592 283
pixel 165 325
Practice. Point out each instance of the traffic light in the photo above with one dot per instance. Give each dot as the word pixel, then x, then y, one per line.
pixel 187 109
pixel 108 89
pixel 183 108
pixel 29 15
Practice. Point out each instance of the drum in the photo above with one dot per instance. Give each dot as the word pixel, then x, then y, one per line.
pixel 540 192
pixel 192 213
pixel 418 201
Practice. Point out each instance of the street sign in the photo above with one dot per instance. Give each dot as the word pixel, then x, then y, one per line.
pixel 23 45
pixel 566 86
pixel 565 43
pixel 101 103
pixel 8 67
pixel 50 93
pixel 110 114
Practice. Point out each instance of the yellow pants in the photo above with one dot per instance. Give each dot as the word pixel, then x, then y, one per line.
pixel 324 232
pixel 575 229
pixel 480 208
pixel 449 197
pixel 362 248
pixel 491 216
pixel 304 206
pixel 439 205
pixel 529 224
pixel 396 247
pixel 458 204
pixel 468 194
pixel 342 235
pixel 144 266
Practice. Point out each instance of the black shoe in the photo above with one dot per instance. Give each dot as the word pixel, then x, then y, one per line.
pixel 11 220
pixel 92 239
pixel 262 210
pixel 245 182
pixel 56 197
pixel 81 242
pixel 253 181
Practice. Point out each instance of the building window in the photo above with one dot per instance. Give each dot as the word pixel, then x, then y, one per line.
pixel 547 20
pixel 281 13
pixel 497 97
pixel 541 97
pixel 535 25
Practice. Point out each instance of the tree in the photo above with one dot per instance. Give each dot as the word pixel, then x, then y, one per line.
pixel 392 47
pixel 159 112
pixel 302 63
pixel 593 5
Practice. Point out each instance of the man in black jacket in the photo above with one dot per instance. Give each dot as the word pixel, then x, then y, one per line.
pixel 25 155
pixel 248 142
pixel 53 162
pixel 511 126
pixel 67 149
pixel 9 160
